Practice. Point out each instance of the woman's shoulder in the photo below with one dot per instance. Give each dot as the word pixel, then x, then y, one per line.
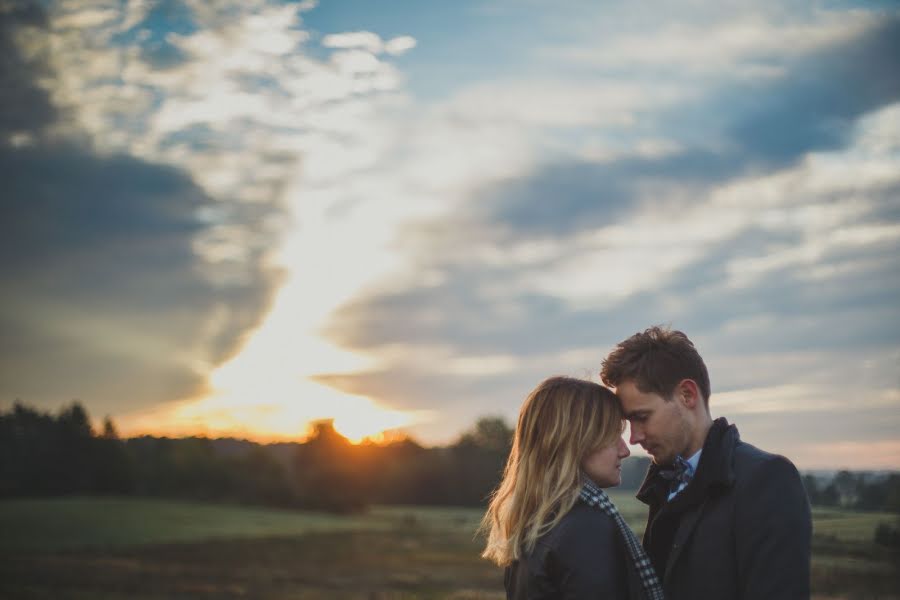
pixel 582 524
pixel 584 550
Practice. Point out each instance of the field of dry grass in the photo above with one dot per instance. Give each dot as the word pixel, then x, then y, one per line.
pixel 112 549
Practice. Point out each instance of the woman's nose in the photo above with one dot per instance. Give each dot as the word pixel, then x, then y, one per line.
pixel 623 448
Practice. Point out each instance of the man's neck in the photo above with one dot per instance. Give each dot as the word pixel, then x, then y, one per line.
pixel 699 436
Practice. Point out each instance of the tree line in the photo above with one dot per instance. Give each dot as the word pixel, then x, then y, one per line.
pixel 858 491
pixel 42 454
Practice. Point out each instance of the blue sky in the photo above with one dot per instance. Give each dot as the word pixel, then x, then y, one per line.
pixel 232 218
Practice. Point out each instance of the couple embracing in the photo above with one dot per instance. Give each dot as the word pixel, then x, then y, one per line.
pixel 726 520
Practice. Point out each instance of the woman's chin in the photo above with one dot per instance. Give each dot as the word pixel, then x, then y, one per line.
pixel 612 482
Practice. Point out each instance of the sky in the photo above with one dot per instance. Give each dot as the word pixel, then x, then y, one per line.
pixel 233 218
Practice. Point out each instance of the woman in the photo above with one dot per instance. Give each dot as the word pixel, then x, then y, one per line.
pixel 549 523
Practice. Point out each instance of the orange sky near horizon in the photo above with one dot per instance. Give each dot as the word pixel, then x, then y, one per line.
pixel 240 220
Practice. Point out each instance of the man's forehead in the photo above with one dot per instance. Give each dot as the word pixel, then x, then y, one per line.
pixel 634 399
pixel 629 389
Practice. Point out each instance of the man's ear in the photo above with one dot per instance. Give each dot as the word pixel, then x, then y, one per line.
pixel 689 393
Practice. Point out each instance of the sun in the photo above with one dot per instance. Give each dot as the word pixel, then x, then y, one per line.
pixel 269 389
pixel 283 416
pixel 369 421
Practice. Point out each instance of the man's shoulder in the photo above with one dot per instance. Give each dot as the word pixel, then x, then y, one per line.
pixel 752 463
pixel 749 455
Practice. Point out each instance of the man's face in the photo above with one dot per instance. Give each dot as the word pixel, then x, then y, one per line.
pixel 661 427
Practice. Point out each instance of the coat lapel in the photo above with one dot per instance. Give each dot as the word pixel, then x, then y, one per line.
pixel 686 527
pixel 714 471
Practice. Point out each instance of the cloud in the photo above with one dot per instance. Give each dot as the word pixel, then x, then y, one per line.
pixel 771 126
pixel 561 103
pixel 400 45
pixel 742 46
pixel 447 399
pixel 106 298
pixel 264 132
pixel 814 105
pixel 365 40
pixel 741 185
pixel 24 106
pixel 862 454
pixel 153 148
pixel 369 42
pixel 865 431
pixel 770 257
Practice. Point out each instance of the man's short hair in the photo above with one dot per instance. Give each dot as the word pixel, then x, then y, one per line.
pixel 656 359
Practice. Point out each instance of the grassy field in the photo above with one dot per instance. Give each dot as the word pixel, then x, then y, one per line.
pixel 58 524
pixel 121 548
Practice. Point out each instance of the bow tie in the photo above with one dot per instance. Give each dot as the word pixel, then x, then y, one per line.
pixel 680 472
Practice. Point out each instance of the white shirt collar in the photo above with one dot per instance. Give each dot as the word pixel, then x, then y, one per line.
pixel 694 460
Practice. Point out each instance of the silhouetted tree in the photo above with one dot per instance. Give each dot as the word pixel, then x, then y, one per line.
pixel 478 457
pixel 812 488
pixel 847 485
pixel 109 429
pixel 326 471
pixel 892 493
pixel 45 455
pixel 113 469
pixel 42 454
pixel 888 535
pixel 491 434
pixel 74 469
pixel 260 479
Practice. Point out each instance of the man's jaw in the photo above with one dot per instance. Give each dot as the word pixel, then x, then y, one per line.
pixel 655 458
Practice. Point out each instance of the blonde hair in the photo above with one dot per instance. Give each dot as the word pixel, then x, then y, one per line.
pixel 561 421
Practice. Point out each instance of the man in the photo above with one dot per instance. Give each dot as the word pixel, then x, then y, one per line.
pixel 726 520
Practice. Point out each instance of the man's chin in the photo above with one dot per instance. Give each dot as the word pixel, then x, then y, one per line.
pixel 660 461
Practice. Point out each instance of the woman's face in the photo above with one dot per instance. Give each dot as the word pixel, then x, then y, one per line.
pixel 604 465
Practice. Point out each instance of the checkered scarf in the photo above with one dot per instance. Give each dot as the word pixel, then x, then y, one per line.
pixel 594 496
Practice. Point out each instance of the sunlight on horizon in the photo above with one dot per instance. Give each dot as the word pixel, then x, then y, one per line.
pixel 267 391
pixel 282 419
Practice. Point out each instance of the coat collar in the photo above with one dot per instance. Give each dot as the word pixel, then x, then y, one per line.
pixel 715 469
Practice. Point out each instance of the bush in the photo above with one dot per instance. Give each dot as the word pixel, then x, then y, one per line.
pixel 888 536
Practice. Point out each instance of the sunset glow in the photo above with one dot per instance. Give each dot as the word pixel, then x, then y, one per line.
pixel 235 220
pixel 224 415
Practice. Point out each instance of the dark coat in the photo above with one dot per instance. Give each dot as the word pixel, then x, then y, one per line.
pixel 740 530
pixel 583 557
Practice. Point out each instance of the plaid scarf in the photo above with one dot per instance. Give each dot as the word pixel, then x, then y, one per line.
pixel 594 496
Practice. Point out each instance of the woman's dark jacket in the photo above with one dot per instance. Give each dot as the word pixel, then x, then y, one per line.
pixel 740 530
pixel 583 557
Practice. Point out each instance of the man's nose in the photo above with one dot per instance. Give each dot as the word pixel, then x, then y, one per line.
pixel 636 436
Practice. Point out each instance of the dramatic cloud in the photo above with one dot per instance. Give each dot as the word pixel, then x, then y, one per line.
pixel 156 151
pixel 106 299
pixel 275 212
pixel 777 249
pixel 24 106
